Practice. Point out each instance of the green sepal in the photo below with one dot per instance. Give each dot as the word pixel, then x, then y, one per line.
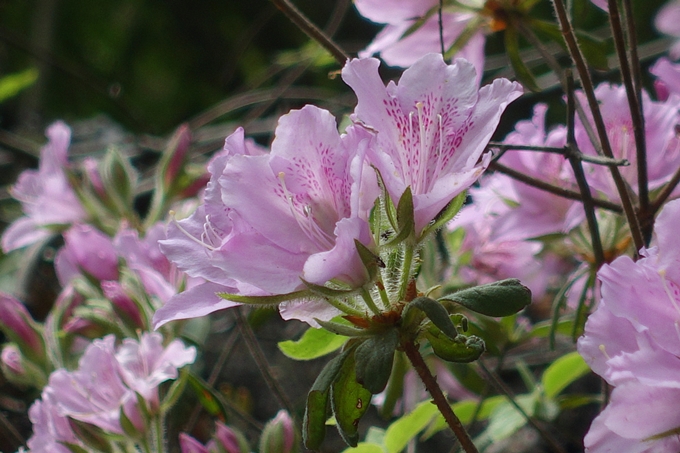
pixel 349 401
pixel 446 214
pixel 371 261
pixel 405 221
pixel 210 399
pixel 128 427
pixel 501 298
pixel 390 209
pixel 119 179
pixel 419 22
pixel 472 27
pixel 463 349
pixel 342 329
pixel 325 291
pixel 374 358
pixel 73 447
pixel 265 300
pixel 522 72
pixel 175 390
pixel 316 409
pixel 92 436
pixel 436 312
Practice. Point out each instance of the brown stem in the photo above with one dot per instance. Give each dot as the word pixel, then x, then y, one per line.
pixel 311 30
pixel 261 360
pixel 589 91
pixel 435 391
pixel 559 191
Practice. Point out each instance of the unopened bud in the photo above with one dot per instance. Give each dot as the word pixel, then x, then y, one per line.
pixel 279 435
pixel 18 325
pixel 231 440
pixel 122 303
pixel 175 153
pixel 20 371
pixel 188 444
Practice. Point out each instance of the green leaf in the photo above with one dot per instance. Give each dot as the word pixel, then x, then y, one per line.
pixel 342 329
pixel 316 409
pixel 12 84
pixel 374 358
pixel 462 349
pixel 314 343
pixel 436 312
pixel 119 179
pixel 400 433
pixel 563 372
pixel 265 300
pixel 465 410
pixel 594 50
pixel 210 400
pixel 521 70
pixel 349 401
pixel 448 213
pixel 92 436
pixel 502 298
pixel 371 261
pixel 505 419
pixel 405 220
pixel 365 447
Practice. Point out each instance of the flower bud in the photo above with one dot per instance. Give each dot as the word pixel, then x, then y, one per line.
pixel 88 250
pixel 18 325
pixel 279 435
pixel 122 303
pixel 175 154
pixel 231 440
pixel 188 444
pixel 20 371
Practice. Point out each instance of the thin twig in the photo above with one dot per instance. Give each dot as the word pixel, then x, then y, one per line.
pixel 261 360
pixel 636 115
pixel 580 176
pixel 441 27
pixel 10 429
pixel 665 192
pixel 311 30
pixel 504 390
pixel 588 89
pixel 597 160
pixel 565 193
pixel 438 397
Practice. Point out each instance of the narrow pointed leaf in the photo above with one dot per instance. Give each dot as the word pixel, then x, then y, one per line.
pixel 342 329
pixel 265 300
pixel 325 291
pixel 448 213
pixel 316 410
pixel 502 298
pixel 349 401
pixel 436 312
pixel 210 400
pixel 521 71
pixel 390 209
pixel 371 261
pixel 92 436
pixel 374 358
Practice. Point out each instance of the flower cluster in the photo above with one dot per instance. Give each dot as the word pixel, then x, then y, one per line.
pixel 271 223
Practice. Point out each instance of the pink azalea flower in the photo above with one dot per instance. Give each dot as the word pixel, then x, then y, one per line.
pixel 667 21
pixel 86 250
pixel 432 127
pixel 667 78
pixel 397 50
pixel 45 194
pixel 50 428
pixel 547 213
pixel 663 147
pixel 108 377
pixel 632 341
pixel 269 220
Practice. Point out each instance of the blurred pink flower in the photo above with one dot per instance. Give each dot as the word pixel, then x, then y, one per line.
pixel 46 197
pixel 50 428
pixel 667 78
pixel 397 50
pixel 86 250
pixel 18 325
pixel 663 146
pixel 432 127
pixel 632 340
pixel 667 21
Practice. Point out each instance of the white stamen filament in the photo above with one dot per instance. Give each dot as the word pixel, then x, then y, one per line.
pixel 187 234
pixel 307 224
pixel 667 290
pixel 422 161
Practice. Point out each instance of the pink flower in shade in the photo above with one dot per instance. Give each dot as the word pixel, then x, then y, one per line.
pixel 667 78
pixel 432 127
pixel 18 325
pixel 397 50
pixel 536 212
pixel 86 250
pixel 225 440
pixel 269 220
pixel 107 379
pixel 667 21
pixel 51 429
pixel 632 341
pixel 45 194
pixel 663 146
